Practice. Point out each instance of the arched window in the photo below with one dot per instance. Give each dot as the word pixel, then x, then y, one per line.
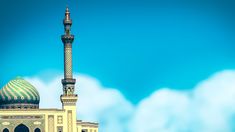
pixel 84 130
pixel 37 130
pixel 5 130
pixel 21 128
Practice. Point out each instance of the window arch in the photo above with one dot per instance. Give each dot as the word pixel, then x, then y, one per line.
pixel 21 128
pixel 37 130
pixel 5 130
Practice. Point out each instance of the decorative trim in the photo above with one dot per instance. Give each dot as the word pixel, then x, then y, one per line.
pixel 12 121
pixel 60 119
pixel 51 123
pixel 70 121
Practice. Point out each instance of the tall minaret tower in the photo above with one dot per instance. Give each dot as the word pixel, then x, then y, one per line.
pixel 68 98
pixel 68 81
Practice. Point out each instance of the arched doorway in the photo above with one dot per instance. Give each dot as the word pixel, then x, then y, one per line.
pixel 5 130
pixel 37 130
pixel 21 128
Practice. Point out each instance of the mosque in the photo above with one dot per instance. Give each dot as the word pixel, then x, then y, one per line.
pixel 19 101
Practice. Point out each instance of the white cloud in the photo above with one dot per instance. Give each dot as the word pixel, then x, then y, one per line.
pixel 106 105
pixel 49 92
pixel 209 107
pixel 164 110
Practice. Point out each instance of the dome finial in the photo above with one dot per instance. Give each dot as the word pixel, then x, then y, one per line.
pixel 18 77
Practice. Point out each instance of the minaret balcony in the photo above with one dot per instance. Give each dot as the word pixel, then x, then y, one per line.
pixel 67 38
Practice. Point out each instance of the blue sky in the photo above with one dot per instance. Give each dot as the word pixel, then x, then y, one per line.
pixel 137 46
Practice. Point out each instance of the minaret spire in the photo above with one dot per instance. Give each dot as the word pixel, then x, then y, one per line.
pixel 67 21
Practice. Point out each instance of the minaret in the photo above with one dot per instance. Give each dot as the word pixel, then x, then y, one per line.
pixel 68 98
pixel 68 81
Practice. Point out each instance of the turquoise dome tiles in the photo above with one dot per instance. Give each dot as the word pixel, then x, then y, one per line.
pixel 18 93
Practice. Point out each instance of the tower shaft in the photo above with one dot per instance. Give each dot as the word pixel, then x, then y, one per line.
pixel 68 61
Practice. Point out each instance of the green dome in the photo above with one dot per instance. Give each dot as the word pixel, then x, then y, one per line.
pixel 18 94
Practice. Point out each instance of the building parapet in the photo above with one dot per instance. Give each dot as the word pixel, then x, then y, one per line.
pixel 87 124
